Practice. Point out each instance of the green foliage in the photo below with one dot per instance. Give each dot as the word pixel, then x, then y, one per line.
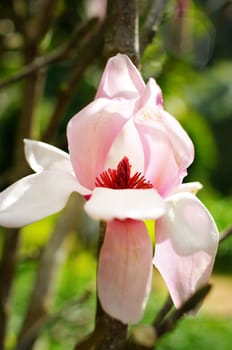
pixel 199 333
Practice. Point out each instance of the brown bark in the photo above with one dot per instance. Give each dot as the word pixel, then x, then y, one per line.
pixel 121 34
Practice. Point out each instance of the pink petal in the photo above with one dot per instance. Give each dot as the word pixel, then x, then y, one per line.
pixel 91 133
pixel 152 94
pixel 127 143
pixel 120 79
pixel 42 156
pixel 125 270
pixel 186 245
pixel 180 141
pixel 107 204
pixel 35 197
pixel 161 167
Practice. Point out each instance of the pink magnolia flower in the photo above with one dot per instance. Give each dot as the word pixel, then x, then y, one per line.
pixel 128 157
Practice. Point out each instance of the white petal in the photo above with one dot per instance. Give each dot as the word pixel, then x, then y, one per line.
pixel 191 187
pixel 35 197
pixel 42 156
pixel 186 245
pixel 107 204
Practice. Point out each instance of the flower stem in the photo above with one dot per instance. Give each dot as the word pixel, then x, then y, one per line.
pixel 111 333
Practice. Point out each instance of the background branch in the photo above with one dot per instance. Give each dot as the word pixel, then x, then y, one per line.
pixel 85 55
pixel 165 321
pixel 225 234
pixel 191 304
pixel 11 241
pixel 77 39
pixel 51 259
pixel 48 320
pixel 151 22
pixel 7 270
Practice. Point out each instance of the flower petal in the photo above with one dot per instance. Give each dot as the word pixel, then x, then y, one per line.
pixel 160 166
pixel 91 133
pixel 35 197
pixel 42 156
pixel 107 204
pixel 186 245
pixel 180 141
pixel 120 79
pixel 127 144
pixel 191 187
pixel 125 270
pixel 152 94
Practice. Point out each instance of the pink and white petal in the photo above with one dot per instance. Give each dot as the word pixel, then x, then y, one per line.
pixel 152 94
pixel 160 165
pixel 120 79
pixel 107 204
pixel 186 245
pixel 125 270
pixel 127 143
pixel 91 133
pixel 35 197
pixel 42 156
pixel 181 142
pixel 191 187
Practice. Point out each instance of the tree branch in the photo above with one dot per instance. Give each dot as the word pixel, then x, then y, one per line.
pixel 122 17
pixel 88 52
pixel 10 246
pixel 122 29
pixel 50 261
pixel 78 37
pixel 47 320
pixel 39 24
pixel 167 306
pixel 163 325
pixel 191 304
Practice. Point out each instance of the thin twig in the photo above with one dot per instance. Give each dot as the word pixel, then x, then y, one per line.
pixel 88 53
pixel 48 320
pixel 169 323
pixel 40 23
pixel 225 234
pixel 151 23
pixel 167 306
pixel 191 304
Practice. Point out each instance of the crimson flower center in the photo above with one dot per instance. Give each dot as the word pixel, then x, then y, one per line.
pixel 120 178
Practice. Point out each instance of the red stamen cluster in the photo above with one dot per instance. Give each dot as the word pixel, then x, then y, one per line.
pixel 121 178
